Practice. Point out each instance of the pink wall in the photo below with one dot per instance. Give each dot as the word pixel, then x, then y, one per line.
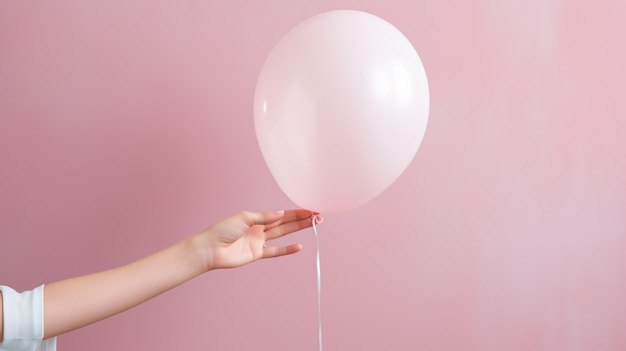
pixel 125 126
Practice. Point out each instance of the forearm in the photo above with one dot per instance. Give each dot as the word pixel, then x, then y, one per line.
pixel 77 302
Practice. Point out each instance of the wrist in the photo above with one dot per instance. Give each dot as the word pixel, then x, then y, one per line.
pixel 199 257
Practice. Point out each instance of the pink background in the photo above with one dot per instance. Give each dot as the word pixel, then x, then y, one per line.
pixel 126 126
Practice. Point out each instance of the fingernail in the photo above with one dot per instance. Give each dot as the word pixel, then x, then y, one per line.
pixel 280 212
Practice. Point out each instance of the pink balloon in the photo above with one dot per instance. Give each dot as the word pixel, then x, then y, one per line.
pixel 340 109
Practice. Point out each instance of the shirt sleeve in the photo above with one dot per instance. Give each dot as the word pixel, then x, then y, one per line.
pixel 23 321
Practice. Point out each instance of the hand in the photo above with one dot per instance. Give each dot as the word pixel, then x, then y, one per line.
pixel 240 239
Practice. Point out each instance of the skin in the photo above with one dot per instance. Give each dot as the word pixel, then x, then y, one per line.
pixel 233 242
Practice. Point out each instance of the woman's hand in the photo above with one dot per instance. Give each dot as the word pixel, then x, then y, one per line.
pixel 241 238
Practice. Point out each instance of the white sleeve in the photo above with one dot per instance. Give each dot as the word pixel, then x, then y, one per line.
pixel 23 321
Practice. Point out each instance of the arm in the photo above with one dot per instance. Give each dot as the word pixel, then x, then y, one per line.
pixel 233 242
pixel 76 302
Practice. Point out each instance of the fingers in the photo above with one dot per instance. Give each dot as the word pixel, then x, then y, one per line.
pixel 271 252
pixel 278 224
pixel 298 214
pixel 270 217
pixel 293 221
pixel 261 218
pixel 287 228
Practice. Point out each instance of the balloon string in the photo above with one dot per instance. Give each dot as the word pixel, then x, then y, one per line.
pixel 319 285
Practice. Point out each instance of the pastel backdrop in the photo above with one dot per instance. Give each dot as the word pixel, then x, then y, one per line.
pixel 127 125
